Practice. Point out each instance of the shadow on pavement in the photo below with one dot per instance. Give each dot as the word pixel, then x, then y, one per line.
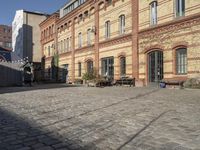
pixel 18 133
pixel 4 90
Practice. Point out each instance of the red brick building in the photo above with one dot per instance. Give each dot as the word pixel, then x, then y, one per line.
pixel 6 36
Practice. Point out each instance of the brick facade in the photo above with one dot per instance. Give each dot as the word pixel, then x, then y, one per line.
pixel 135 44
pixel 6 36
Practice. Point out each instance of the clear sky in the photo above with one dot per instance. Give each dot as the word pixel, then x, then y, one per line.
pixel 8 7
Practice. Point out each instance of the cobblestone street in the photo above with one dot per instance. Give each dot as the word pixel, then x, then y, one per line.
pixel 46 117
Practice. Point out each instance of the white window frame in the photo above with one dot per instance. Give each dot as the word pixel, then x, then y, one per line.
pixel 80 40
pixel 122 24
pixel 89 37
pixel 107 29
pixel 179 10
pixel 153 12
pixel 181 61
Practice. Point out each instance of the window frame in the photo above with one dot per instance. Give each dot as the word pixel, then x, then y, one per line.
pixel 122 24
pixel 79 40
pixel 181 61
pixel 122 60
pixel 79 69
pixel 107 29
pixel 179 8
pixel 89 37
pixel 153 14
pixel 90 66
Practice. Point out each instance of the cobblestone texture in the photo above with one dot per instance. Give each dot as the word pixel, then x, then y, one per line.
pixel 48 117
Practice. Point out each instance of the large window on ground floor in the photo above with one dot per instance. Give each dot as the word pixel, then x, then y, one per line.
pixel 122 66
pixel 89 66
pixel 181 61
pixel 107 67
pixel 79 69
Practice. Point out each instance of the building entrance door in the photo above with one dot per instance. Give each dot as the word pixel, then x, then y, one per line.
pixel 65 73
pixel 107 67
pixel 155 66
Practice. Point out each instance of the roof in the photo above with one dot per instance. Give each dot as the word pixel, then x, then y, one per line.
pixel 36 13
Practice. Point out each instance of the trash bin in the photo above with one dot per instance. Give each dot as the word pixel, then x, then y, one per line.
pixel 162 85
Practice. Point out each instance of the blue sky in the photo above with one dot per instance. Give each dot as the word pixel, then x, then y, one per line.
pixel 8 7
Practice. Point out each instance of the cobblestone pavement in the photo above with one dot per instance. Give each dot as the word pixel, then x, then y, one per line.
pixel 47 117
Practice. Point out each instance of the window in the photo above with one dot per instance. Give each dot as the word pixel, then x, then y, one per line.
pixel 61 49
pixel 180 8
pixel 153 15
pixel 52 29
pixel 49 30
pixel 80 17
pixel 80 40
pixel 64 45
pixel 122 24
pixel 86 13
pixel 107 69
pixel 107 29
pixel 67 44
pixel 89 37
pixel 109 2
pixel 49 51
pixel 79 69
pixel 181 61
pixel 5 30
pixel 90 66
pixel 123 66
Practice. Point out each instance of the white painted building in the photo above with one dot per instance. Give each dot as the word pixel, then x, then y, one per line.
pixel 26 34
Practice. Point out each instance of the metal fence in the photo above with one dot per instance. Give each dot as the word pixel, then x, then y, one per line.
pixel 11 74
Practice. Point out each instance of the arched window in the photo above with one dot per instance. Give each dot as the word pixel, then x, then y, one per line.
pixel 90 66
pixel 67 43
pixel 80 40
pixel 47 32
pixel 50 31
pixel 107 29
pixel 44 34
pixel 109 2
pixel 49 51
pixel 180 8
pixel 122 24
pixel 123 66
pixel 61 49
pixel 79 69
pixel 181 61
pixel 153 12
pixel 64 45
pixel 86 14
pixel 89 37
pixel 80 17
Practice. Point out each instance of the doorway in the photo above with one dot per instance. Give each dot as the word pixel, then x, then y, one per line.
pixel 155 66
pixel 108 67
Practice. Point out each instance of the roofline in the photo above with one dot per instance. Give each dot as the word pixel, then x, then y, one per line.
pixel 9 26
pixel 36 13
pixel 49 17
pixel 67 3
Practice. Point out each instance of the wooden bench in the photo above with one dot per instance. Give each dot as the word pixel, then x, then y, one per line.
pixel 125 81
pixel 174 82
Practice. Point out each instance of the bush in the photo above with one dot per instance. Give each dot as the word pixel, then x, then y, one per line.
pixel 192 83
pixel 78 81
pixel 89 76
